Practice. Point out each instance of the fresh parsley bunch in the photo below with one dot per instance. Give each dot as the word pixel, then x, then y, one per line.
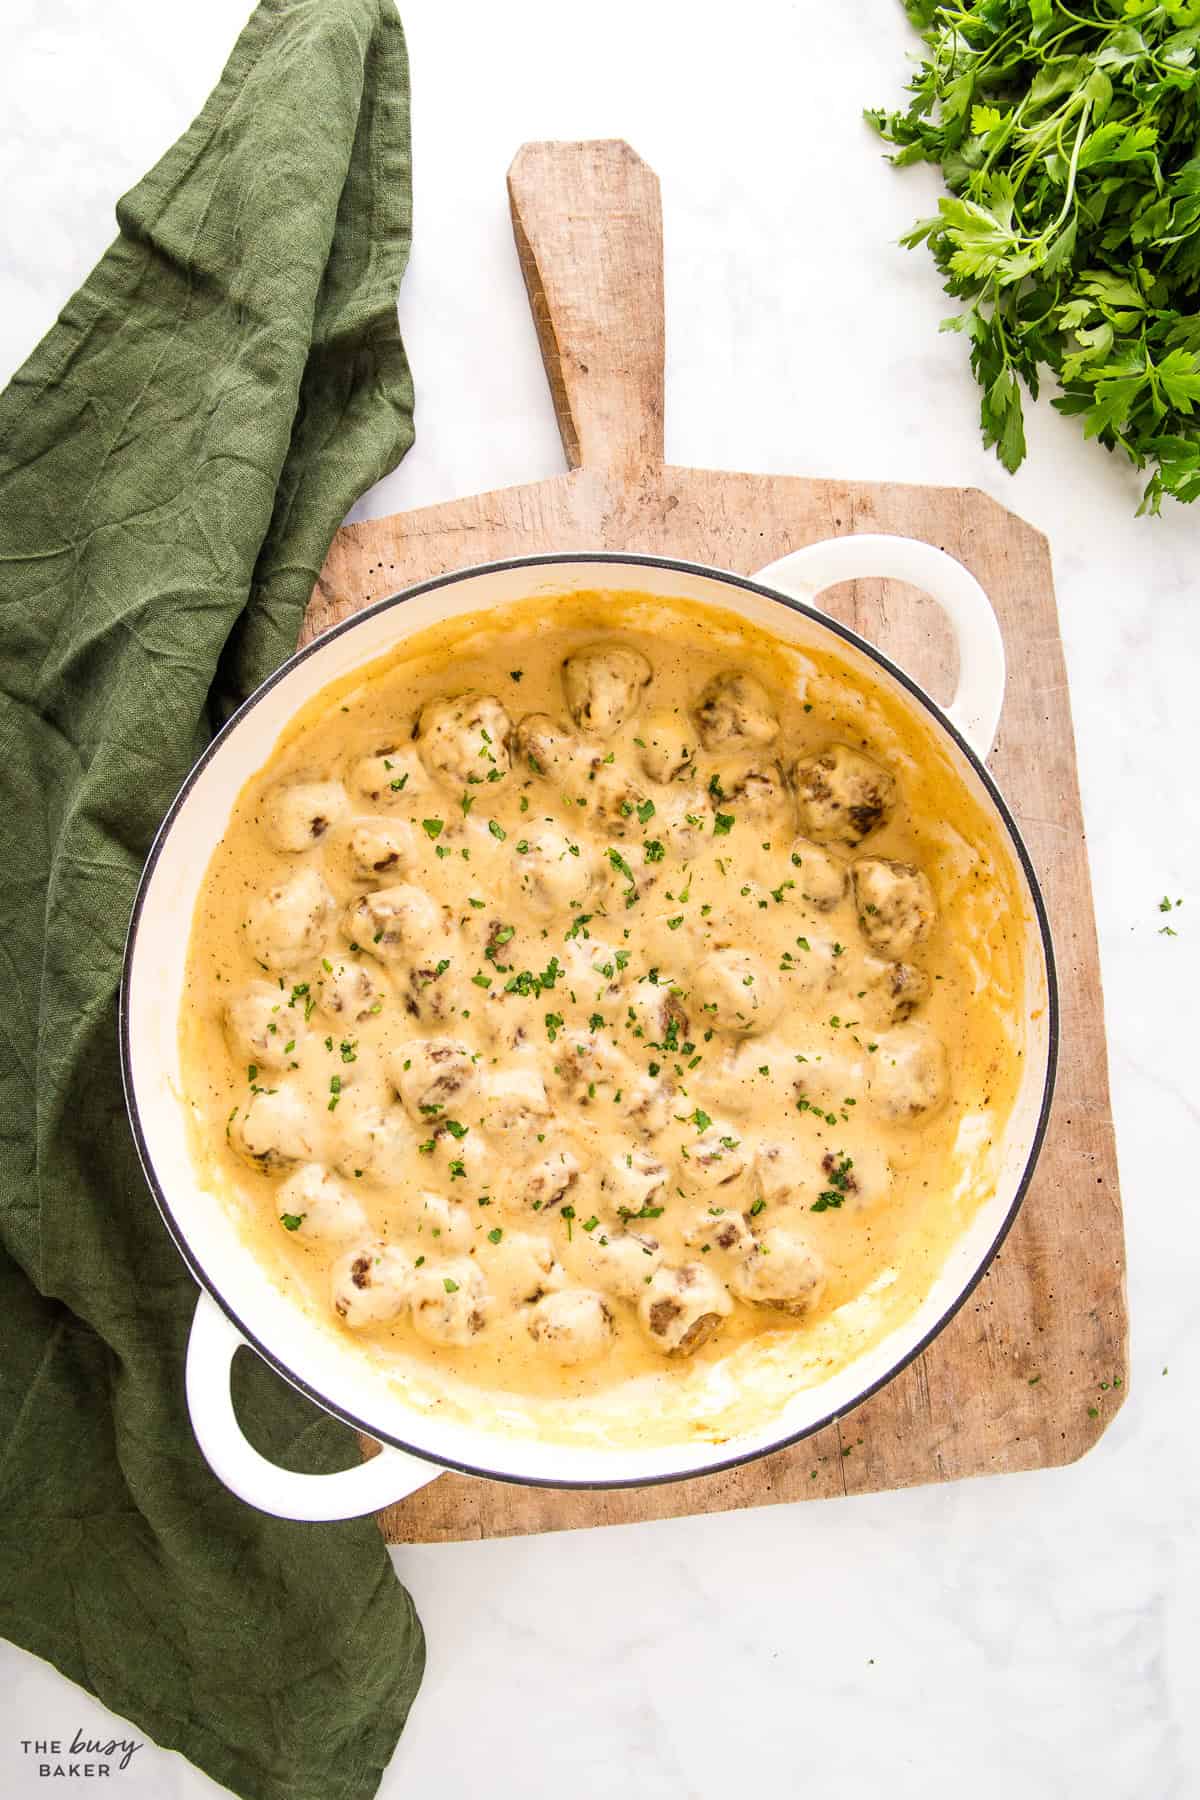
pixel 1069 137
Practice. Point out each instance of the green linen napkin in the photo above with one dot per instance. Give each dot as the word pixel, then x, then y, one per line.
pixel 174 458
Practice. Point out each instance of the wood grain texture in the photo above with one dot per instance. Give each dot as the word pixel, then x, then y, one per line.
pixel 1022 1377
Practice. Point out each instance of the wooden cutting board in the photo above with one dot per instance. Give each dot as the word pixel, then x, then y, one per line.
pixel 1032 1369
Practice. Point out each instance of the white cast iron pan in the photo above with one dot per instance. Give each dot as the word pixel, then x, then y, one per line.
pixel 240 1305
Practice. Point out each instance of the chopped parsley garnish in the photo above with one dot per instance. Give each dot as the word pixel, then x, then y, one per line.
pixel 292 1221
pixel 432 828
pixel 722 824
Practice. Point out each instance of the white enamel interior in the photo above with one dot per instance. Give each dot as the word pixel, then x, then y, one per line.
pixel 318 1356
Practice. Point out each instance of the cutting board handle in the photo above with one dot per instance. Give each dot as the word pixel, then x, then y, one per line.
pixel 587 218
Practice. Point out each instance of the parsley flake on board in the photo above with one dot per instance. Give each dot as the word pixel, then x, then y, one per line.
pixel 1066 135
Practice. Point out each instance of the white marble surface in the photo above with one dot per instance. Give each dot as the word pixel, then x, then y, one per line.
pixel 1034 1635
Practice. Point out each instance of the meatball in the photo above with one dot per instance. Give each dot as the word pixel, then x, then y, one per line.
pixel 445 1222
pixel 382 846
pixel 632 1180
pixel 433 1076
pixel 552 870
pixel 291 923
pixel 736 992
pixel 351 993
pixel 424 991
pixel 682 820
pixel 718 1228
pixel 656 1015
pixel 734 712
pixel 395 922
pixel 274 1131
pixel 591 1069
pixel 615 803
pixel 313 1203
pixel 841 795
pixel 827 1078
pixel 521 1265
pixel 548 1182
pixel 681 1308
pixel 716 1159
pixel 463 739
pixel 894 902
pixel 893 991
pixel 591 970
pixel 667 750
pixel 549 749
pixel 754 791
pixel 372 1140
pixel 515 1101
pixel 299 813
pixel 850 1182
pixel 450 1301
pixel 812 967
pixel 777 1174
pixel 604 686
pixel 780 1271
pixel 390 777
pixel 259 1023
pixel 646 1104
pixel 622 1261
pixel 574 1325
pixel 907 1073
pixel 371 1284
pixel 821 877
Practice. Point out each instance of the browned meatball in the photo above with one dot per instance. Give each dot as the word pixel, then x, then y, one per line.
pixel 894 902
pixel 433 1076
pixel 262 1027
pixel 395 923
pixel 549 1181
pixel 841 795
pixel 291 924
pixel 907 1072
pixel 274 1131
pixel 820 877
pixel 549 749
pixel 604 686
pixel 667 751
pixel 382 846
pixel 299 813
pixel 464 739
pixel 780 1271
pixel 572 1325
pixel 734 712
pixel 450 1301
pixel 632 1180
pixel 893 991
pixel 733 990
pixel 371 1284
pixel 754 791
pixel 682 1308
pixel 718 1228
pixel 351 992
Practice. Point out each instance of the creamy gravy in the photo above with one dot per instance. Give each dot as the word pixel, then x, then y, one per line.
pixel 594 1054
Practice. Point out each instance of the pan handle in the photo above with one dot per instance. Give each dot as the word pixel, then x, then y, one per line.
pixel 233 1459
pixel 975 708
